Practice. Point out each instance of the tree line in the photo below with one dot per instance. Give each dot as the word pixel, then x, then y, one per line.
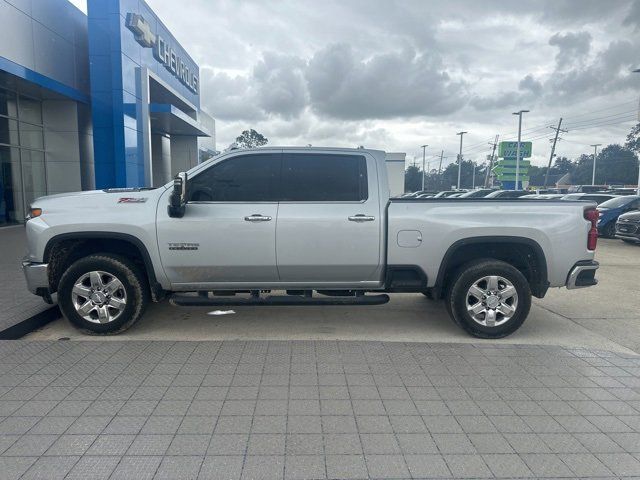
pixel 615 165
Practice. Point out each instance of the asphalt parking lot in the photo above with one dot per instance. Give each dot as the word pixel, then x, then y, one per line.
pixel 603 317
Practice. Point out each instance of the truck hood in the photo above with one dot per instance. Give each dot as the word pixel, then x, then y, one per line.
pixel 630 217
pixel 97 198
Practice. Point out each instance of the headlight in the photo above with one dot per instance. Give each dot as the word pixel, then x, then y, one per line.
pixel 33 213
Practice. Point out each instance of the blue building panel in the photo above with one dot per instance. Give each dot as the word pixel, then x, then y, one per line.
pixel 125 36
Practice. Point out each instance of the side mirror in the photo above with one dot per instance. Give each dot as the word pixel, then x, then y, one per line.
pixel 178 198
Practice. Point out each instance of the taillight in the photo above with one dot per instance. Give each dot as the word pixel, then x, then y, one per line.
pixel 592 237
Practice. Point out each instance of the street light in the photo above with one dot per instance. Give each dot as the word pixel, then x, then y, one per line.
pixel 460 157
pixel 424 149
pixel 595 155
pixel 519 113
pixel 637 70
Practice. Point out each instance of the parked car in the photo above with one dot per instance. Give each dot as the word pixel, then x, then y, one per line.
pixel 479 193
pixel 628 227
pixel 447 193
pixel 316 225
pixel 507 194
pixel 623 191
pixel 612 209
pixel 588 188
pixel 591 197
pixel 543 196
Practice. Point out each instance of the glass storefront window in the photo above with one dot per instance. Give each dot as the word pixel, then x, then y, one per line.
pixel 31 136
pixel 9 131
pixel 22 156
pixel 30 110
pixel 11 195
pixel 8 103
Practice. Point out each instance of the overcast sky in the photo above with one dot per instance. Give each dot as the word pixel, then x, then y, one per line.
pixel 397 74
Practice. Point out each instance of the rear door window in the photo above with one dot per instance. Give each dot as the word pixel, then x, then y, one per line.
pixel 316 177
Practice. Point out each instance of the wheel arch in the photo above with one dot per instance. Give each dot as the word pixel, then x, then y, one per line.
pixel 64 248
pixel 523 253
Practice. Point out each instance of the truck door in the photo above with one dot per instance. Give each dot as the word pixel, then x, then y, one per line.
pixel 227 235
pixel 329 220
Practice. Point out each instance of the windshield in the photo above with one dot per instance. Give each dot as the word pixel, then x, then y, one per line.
pixel 618 201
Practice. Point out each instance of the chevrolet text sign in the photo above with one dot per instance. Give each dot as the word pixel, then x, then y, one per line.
pixel 162 51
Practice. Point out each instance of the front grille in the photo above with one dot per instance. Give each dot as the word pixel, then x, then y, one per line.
pixel 626 227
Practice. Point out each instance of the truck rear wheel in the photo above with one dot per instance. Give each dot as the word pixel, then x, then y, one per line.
pixel 489 298
pixel 103 294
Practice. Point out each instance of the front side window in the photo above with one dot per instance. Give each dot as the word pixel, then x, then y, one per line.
pixel 317 177
pixel 247 178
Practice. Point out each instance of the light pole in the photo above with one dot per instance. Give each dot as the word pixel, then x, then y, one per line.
pixel 424 149
pixel 519 113
pixel 637 70
pixel 595 155
pixel 460 157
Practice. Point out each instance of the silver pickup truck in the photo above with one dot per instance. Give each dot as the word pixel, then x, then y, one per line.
pixel 301 226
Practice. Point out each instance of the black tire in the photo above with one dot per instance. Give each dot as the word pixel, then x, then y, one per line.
pixel 609 230
pixel 463 279
pixel 133 282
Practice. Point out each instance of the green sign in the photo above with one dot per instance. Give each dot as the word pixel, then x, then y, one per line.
pixel 509 149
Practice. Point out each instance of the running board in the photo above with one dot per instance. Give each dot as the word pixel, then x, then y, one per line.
pixel 182 300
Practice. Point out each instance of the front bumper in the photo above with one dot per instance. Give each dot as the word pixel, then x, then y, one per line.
pixel 583 274
pixel 628 231
pixel 37 277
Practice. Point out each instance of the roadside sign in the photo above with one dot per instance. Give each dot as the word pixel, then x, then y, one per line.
pixel 509 149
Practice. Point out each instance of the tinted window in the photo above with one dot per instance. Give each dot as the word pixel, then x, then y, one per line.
pixel 249 178
pixel 322 178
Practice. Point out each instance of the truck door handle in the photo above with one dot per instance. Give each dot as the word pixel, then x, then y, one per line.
pixel 361 218
pixel 256 217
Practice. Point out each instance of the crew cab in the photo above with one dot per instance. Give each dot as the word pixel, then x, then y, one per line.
pixel 301 226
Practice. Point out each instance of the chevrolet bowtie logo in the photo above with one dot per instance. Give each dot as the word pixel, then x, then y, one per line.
pixel 141 29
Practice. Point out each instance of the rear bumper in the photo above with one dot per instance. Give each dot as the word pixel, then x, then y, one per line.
pixel 37 277
pixel 583 274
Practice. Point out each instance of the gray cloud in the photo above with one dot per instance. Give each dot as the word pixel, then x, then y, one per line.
pixel 385 85
pixel 572 47
pixel 529 83
pixel 633 16
pixel 280 84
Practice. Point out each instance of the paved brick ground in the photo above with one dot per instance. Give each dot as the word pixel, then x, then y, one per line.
pixel 321 409
pixel 17 302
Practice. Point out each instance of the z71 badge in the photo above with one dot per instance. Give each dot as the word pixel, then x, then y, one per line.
pixel 184 246
pixel 132 199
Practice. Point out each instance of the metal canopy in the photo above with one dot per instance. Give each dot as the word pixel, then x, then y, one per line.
pixel 166 118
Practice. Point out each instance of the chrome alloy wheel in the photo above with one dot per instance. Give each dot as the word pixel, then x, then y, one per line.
pixel 99 297
pixel 492 301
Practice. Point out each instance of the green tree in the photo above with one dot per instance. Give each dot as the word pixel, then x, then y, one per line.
pixel 412 179
pixel 562 165
pixel 633 140
pixel 250 139
pixel 615 165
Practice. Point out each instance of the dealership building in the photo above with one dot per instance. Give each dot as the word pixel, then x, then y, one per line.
pixel 106 99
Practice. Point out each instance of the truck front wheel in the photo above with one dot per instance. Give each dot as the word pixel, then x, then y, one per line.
pixel 103 294
pixel 489 298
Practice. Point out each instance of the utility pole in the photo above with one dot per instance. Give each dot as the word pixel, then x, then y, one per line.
pixel 493 152
pixel 553 149
pixel 460 157
pixel 519 113
pixel 638 186
pixel 440 165
pixel 424 149
pixel 595 155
